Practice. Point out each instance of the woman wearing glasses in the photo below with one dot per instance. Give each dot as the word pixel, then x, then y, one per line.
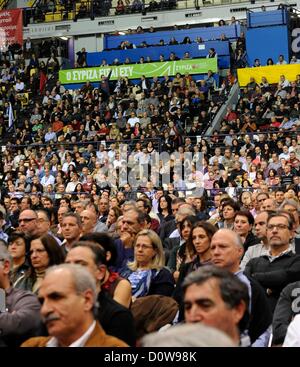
pixel 146 272
pixel 44 252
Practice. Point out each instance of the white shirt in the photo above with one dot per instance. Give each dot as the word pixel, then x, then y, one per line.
pixel 53 342
pixel 133 120
pixel 292 338
pixel 71 186
pixel 50 180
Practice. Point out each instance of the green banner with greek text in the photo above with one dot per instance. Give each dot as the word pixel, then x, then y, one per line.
pixel 135 71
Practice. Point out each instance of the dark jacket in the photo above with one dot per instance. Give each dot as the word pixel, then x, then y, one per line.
pixel 251 240
pixel 287 307
pixel 274 276
pixel 162 284
pixel 261 316
pixel 169 244
pixel 22 318
pixel 116 319
pixel 166 229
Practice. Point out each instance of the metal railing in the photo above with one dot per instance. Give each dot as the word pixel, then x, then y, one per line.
pixel 101 8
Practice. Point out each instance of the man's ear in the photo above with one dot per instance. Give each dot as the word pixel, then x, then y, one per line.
pixel 239 311
pixel 241 251
pixel 89 299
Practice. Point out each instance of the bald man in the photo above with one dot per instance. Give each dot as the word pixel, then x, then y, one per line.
pixel 89 222
pixel 227 251
pixel 28 222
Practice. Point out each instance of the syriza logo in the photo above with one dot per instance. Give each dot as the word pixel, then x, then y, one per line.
pixel 295 45
pixel 296 301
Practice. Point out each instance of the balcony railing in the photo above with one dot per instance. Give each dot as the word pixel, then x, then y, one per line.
pixel 43 12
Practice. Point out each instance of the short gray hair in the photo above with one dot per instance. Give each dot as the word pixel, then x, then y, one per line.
pixel 232 289
pixel 82 278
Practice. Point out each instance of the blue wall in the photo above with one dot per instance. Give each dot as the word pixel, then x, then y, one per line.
pixel 265 42
pixel 195 50
pixel 207 33
pixel 266 18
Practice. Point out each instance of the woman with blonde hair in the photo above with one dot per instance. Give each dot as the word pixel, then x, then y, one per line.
pixel 147 273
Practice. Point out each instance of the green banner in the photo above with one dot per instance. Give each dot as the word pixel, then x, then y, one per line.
pixel 135 71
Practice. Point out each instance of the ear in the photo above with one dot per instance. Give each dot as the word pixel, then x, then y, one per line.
pixel 238 312
pixel 89 300
pixel 241 251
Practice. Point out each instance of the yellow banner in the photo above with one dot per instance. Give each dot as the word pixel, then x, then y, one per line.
pixel 272 73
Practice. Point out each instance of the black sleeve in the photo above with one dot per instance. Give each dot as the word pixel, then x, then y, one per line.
pixel 261 315
pixel 171 264
pixel 163 283
pixel 116 319
pixel 122 327
pixel 283 313
pixel 248 267
pixel 281 277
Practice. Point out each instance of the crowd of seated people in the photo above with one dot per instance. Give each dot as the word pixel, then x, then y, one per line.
pixel 225 204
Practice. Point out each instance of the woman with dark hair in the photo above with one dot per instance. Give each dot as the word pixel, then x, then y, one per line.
pixel 180 254
pixel 201 208
pixel 271 180
pixel 165 209
pixel 118 287
pixel 259 180
pixel 18 247
pixel 228 209
pixel 186 40
pixel 44 252
pixel 243 223
pixel 79 189
pixel 198 244
pixel 113 214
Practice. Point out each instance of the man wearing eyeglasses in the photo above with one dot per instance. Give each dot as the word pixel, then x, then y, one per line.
pixel 28 222
pixel 280 266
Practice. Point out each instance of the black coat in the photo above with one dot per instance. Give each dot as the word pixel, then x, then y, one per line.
pixel 169 244
pixel 261 316
pixel 166 229
pixel 251 240
pixel 116 319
